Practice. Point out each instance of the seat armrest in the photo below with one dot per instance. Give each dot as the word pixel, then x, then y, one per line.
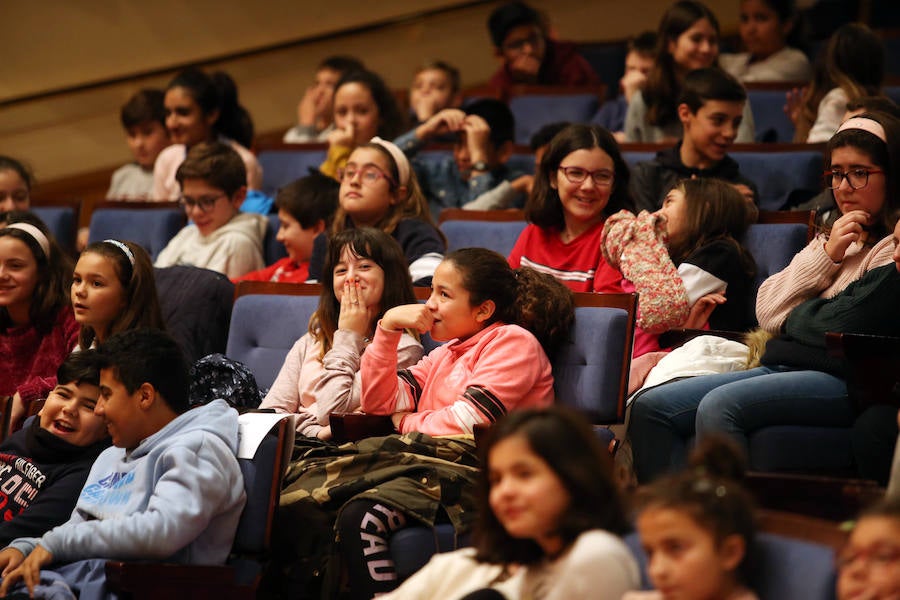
pixel 352 427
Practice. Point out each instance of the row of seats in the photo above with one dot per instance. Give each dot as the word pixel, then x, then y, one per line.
pixel 778 171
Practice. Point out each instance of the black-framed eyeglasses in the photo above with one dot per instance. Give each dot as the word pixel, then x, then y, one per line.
pixel 204 203
pixel 601 177
pixel 368 174
pixel 857 178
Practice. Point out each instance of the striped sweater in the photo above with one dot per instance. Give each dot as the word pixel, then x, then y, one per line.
pixel 459 384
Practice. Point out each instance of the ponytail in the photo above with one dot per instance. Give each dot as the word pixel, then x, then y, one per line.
pixel 524 297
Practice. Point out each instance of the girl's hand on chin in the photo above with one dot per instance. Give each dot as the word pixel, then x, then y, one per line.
pixel 408 316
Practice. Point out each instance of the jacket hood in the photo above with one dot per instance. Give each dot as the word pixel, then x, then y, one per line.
pixel 252 225
pixel 216 418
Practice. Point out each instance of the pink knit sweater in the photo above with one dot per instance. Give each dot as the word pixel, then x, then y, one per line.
pixel 811 274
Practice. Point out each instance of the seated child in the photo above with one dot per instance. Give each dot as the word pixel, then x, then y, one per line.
pixel 213 185
pixel 697 529
pixel 869 565
pixel 710 109
pixel 638 62
pixel 435 87
pixel 485 130
pixel 171 488
pixel 43 467
pixel 315 119
pixel 529 56
pixel 144 120
pixel 305 208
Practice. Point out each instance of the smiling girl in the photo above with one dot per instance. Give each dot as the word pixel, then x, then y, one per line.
pixel 582 179
pixel 365 275
pixel 501 325
pixel 37 328
pixel 549 519
pixel 688 39
pixel 202 108
pixel 379 189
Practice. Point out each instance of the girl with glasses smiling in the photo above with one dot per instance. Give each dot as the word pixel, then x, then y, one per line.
pixel 379 189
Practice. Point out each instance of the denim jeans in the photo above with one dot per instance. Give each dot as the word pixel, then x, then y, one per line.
pixel 665 418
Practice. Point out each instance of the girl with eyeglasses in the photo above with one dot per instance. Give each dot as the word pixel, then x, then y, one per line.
pixel 817 292
pixel 581 180
pixel 379 189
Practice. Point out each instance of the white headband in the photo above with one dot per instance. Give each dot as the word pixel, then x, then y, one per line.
pixel 870 125
pixel 398 156
pixel 123 248
pixel 35 233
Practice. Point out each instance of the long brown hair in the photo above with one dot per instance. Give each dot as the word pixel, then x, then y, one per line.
pixel 663 87
pixel 364 242
pixel 139 284
pixel 714 210
pixel 51 293
pixel 564 440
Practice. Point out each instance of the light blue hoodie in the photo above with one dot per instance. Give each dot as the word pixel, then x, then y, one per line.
pixel 176 497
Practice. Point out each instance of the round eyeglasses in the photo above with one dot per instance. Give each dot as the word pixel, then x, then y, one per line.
pixel 204 203
pixel 368 174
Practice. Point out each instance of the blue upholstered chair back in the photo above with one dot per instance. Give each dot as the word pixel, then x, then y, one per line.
pixel 273 250
pixel 786 568
pixel 773 245
pixel 62 223
pixel 499 236
pixel 588 370
pixel 533 111
pixel 772 125
pixel 151 228
pixel 777 174
pixel 264 327
pixel 284 165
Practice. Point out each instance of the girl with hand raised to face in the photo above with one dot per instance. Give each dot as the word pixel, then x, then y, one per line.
pixel 365 275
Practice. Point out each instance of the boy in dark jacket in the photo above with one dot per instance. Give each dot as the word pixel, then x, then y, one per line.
pixel 44 465
pixel 710 110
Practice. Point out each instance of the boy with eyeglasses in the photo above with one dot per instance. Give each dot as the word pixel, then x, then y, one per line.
pixel 710 109
pixel 519 34
pixel 213 182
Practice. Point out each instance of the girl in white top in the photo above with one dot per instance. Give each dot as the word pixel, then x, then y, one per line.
pixel 365 274
pixel 550 516
pixel 852 66
pixel 697 529
pixel 767 28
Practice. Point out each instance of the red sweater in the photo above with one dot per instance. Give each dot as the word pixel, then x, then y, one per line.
pixel 500 368
pixel 579 265
pixel 282 271
pixel 30 360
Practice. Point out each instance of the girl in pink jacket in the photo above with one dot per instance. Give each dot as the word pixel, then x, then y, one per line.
pixel 500 325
